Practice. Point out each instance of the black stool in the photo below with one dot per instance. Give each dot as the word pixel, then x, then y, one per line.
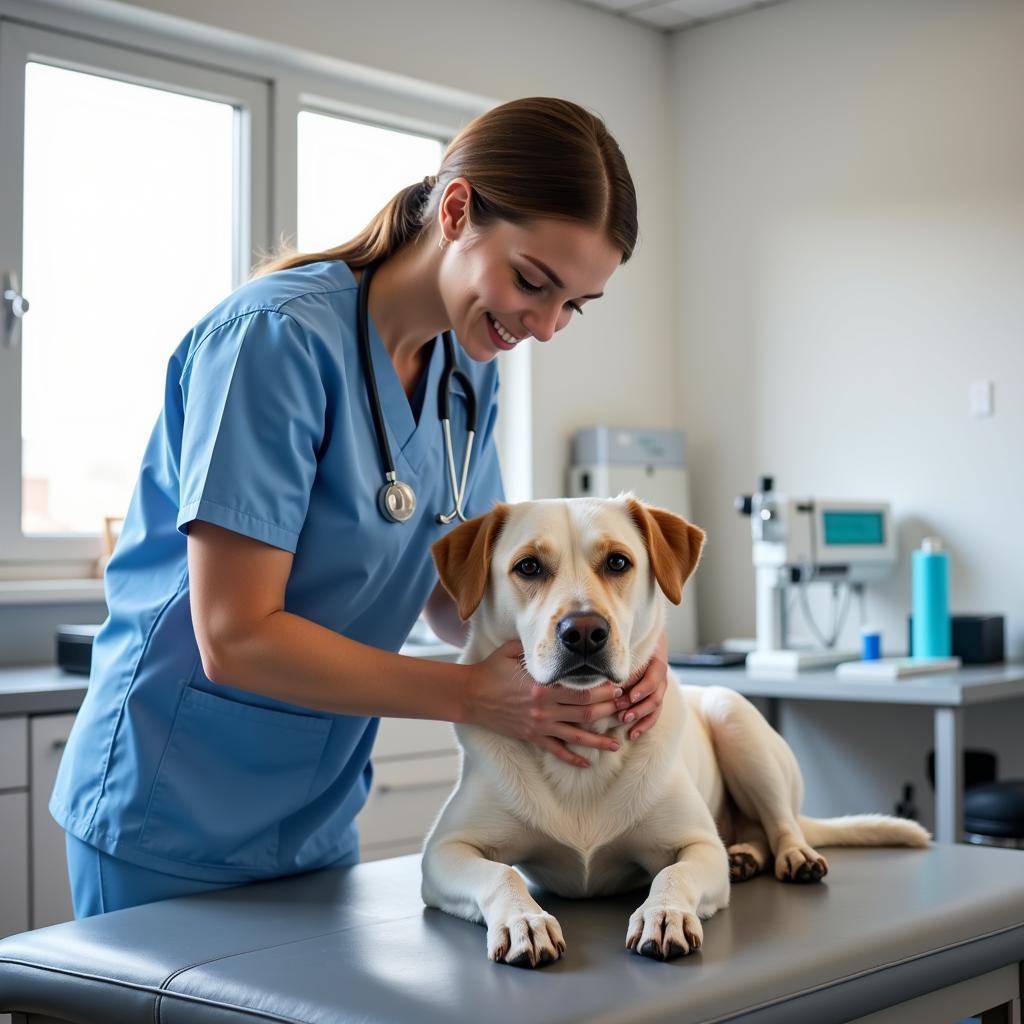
pixel 994 814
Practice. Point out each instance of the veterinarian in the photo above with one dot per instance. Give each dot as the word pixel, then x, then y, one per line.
pixel 263 583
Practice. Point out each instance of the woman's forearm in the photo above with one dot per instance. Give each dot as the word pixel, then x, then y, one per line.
pixel 292 659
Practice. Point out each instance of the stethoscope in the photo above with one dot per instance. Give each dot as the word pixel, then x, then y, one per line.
pixel 397 500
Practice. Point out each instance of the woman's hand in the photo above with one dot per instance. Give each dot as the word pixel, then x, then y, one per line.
pixel 504 699
pixel 641 702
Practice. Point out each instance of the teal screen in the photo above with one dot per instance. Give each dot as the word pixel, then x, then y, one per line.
pixel 854 527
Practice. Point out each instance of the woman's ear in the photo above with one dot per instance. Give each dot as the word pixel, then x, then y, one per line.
pixel 454 208
pixel 463 558
pixel 673 544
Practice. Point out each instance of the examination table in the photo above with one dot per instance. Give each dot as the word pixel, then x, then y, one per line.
pixel 938 931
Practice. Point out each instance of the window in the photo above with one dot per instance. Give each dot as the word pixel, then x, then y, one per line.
pixel 348 171
pixel 127 241
pixel 125 223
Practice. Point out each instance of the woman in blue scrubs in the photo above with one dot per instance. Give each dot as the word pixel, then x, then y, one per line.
pixel 257 596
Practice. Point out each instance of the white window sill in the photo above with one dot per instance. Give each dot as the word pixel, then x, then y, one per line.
pixel 51 591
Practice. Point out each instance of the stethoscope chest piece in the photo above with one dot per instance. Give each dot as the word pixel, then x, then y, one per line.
pixel 397 501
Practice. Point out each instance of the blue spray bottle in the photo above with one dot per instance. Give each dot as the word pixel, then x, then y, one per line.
pixel 931 633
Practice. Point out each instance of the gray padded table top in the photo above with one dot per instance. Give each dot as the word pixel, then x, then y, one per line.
pixel 356 944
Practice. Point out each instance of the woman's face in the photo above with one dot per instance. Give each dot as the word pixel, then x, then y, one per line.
pixel 506 283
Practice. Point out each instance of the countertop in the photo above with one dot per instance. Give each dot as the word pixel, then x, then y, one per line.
pixel 40 689
pixel 972 684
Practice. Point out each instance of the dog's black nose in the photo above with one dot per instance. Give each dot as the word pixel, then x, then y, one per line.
pixel 584 634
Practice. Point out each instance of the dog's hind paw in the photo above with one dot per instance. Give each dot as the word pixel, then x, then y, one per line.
pixel 742 866
pixel 800 864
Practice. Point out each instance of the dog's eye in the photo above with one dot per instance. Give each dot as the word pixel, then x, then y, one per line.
pixel 617 563
pixel 527 567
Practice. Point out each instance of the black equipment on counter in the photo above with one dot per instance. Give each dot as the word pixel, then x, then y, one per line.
pixel 74 648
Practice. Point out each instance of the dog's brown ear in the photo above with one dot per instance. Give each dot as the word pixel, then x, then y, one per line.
pixel 674 545
pixel 463 558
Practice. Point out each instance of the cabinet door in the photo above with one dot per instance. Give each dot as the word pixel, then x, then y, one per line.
pixel 51 893
pixel 13 753
pixel 13 863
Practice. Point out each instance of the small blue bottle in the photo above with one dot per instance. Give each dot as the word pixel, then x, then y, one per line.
pixel 931 632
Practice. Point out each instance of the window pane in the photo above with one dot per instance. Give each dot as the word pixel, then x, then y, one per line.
pixel 128 222
pixel 348 171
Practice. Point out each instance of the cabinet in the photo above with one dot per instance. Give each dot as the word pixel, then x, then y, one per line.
pixel 35 890
pixel 14 900
pixel 51 893
pixel 416 766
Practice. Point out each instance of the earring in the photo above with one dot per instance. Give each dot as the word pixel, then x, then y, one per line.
pixel 442 242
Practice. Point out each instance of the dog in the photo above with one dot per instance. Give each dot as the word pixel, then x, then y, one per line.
pixel 709 796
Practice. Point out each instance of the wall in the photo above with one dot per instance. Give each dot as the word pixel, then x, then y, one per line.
pixel 851 231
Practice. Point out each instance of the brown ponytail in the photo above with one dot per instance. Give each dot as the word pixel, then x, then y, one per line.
pixel 526 160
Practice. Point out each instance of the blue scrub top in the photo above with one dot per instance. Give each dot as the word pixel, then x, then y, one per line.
pixel 266 430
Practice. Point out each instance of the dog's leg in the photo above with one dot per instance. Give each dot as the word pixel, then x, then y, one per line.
pixel 667 924
pixel 749 852
pixel 459 879
pixel 763 779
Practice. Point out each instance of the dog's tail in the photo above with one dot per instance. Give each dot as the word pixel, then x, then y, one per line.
pixel 863 830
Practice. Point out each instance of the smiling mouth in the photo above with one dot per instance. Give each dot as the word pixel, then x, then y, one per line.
pixel 506 335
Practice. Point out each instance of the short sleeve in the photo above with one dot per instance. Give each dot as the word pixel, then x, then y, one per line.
pixel 254 407
pixel 485 486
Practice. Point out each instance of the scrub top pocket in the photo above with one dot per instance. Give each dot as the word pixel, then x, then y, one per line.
pixel 230 773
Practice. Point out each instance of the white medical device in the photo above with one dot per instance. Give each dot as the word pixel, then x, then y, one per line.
pixel 800 541
pixel 651 464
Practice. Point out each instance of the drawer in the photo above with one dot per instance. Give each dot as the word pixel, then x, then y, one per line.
pixel 406 799
pixel 409 737
pixel 14 752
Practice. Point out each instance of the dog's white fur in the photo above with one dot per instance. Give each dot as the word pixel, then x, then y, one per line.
pixel 710 791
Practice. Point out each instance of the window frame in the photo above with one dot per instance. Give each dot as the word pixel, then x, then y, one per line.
pixel 271 84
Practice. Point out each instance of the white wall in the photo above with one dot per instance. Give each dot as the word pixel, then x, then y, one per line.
pixel 851 227
pixel 852 255
pixel 624 345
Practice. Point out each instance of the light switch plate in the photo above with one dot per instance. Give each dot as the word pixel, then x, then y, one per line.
pixel 982 394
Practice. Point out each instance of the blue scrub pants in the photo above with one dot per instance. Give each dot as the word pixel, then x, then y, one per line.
pixel 100 883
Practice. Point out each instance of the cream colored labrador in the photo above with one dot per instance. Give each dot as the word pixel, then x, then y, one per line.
pixel 710 793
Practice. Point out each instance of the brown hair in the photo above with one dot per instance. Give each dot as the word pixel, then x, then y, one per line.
pixel 525 160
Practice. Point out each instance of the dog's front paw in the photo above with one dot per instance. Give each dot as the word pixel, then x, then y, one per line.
pixel 526 940
pixel 663 933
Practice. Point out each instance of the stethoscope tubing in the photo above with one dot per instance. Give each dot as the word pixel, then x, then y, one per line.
pixel 451 372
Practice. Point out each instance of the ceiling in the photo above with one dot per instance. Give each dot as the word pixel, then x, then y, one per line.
pixel 670 15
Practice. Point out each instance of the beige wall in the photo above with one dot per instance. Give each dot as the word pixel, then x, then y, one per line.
pixel 624 345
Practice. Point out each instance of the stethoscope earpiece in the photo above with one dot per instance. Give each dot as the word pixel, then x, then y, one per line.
pixel 397 500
